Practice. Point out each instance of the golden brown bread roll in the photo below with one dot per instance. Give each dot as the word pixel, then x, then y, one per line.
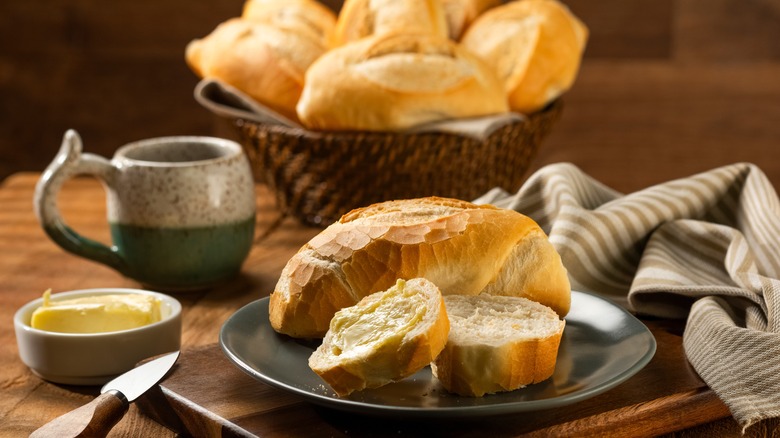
pixel 535 46
pixel 393 82
pixel 363 18
pixel 497 344
pixel 265 62
pixel 461 13
pixel 301 16
pixel 464 249
pixel 386 337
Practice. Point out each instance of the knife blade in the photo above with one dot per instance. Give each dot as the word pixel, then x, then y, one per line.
pixel 99 416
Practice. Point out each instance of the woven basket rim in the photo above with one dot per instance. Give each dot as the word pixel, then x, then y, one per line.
pixel 320 135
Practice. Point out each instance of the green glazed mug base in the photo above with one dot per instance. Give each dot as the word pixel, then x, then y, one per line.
pixel 180 259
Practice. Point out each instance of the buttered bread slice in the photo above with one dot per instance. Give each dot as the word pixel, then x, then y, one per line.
pixel 385 337
pixel 497 344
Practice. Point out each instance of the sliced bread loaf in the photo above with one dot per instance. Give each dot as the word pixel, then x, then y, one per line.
pixel 385 337
pixel 497 343
pixel 463 248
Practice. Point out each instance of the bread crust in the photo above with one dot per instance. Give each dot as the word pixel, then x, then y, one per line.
pixel 302 16
pixel 393 82
pixel 265 62
pixel 463 248
pixel 508 368
pixel 461 13
pixel 360 19
pixel 535 46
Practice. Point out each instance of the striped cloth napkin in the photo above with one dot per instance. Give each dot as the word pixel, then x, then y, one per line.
pixel 705 247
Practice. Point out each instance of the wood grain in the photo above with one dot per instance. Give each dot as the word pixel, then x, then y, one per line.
pixel 95 418
pixel 30 263
pixel 666 395
pixel 196 400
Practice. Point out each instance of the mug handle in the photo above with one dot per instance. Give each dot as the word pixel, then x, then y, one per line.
pixel 68 163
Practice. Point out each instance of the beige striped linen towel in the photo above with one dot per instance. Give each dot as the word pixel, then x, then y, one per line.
pixel 705 248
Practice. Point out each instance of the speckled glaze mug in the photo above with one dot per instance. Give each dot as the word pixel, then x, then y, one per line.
pixel 181 210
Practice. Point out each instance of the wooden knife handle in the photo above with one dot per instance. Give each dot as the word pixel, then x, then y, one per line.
pixel 95 419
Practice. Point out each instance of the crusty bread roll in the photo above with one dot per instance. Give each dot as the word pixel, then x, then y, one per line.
pixel 497 344
pixel 463 248
pixel 301 16
pixel 265 62
pixel 535 46
pixel 363 18
pixel 396 81
pixel 385 337
pixel 461 13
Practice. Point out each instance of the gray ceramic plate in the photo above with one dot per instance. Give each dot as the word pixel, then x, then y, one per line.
pixel 602 346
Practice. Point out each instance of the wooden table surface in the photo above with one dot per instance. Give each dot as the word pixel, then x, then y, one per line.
pixel 31 263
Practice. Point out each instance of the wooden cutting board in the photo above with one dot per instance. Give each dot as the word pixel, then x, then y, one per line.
pixel 206 395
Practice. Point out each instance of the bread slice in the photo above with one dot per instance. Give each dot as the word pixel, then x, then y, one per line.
pixel 497 344
pixel 463 248
pixel 385 337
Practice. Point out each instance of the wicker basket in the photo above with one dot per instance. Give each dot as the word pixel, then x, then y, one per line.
pixel 317 177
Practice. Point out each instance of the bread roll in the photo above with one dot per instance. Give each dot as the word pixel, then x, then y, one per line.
pixel 363 18
pixel 497 344
pixel 535 46
pixel 461 13
pixel 265 62
pixel 396 81
pixel 301 16
pixel 385 337
pixel 464 249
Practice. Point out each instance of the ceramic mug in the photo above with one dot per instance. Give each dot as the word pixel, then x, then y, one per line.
pixel 181 210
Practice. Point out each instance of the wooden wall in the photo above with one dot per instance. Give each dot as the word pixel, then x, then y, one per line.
pixel 667 88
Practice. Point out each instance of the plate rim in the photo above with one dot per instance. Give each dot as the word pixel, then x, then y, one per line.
pixel 447 411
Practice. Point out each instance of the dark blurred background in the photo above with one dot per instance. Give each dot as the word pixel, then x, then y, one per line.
pixel 667 87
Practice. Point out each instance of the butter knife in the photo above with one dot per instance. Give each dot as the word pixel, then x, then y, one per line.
pixel 99 416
